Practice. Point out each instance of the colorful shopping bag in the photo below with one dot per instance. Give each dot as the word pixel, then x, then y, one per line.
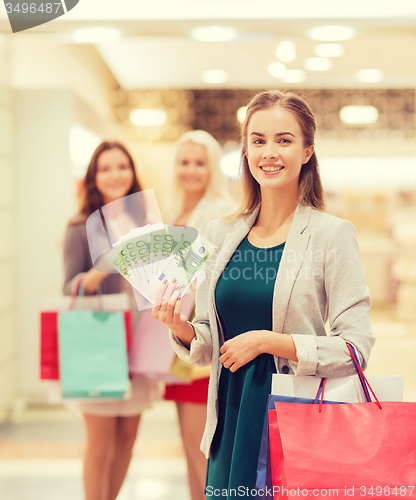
pixel 270 447
pixel 49 358
pixel 366 450
pixel 152 354
pixel 93 354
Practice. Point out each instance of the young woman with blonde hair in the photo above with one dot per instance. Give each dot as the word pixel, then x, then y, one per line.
pixel 198 195
pixel 282 269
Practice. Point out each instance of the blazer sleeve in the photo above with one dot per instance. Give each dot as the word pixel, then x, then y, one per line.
pixel 75 252
pixel 200 351
pixel 348 310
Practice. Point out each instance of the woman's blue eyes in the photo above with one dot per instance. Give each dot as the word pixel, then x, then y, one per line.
pixel 280 141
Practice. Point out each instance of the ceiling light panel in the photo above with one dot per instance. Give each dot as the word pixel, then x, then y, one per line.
pixel 331 33
pixel 230 164
pixel 96 34
pixel 214 76
pixel 286 51
pixel 359 115
pixel 241 113
pixel 213 33
pixel 329 50
pixel 148 117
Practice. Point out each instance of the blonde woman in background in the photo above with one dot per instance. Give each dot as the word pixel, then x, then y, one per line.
pixel 199 195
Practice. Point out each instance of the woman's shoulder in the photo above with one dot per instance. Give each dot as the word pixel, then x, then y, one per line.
pixel 330 226
pixel 76 228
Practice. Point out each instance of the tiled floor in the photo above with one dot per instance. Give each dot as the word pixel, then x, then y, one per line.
pixel 40 457
pixel 41 449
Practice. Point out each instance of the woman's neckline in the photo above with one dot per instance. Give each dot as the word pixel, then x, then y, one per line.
pixel 264 248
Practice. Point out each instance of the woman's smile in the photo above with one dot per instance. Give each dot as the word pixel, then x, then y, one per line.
pixel 271 168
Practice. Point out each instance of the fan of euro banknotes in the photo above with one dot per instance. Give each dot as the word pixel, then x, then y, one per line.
pixel 150 254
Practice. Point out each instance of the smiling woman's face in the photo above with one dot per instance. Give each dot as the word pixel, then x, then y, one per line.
pixel 192 168
pixel 275 150
pixel 114 177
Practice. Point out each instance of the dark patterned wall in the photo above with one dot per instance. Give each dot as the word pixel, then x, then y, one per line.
pixel 214 110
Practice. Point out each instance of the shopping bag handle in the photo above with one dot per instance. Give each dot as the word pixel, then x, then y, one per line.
pixel 78 295
pixel 364 382
pixel 363 379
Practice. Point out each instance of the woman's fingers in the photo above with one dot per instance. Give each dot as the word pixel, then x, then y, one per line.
pixel 165 308
pixel 227 359
pixel 168 294
pixel 159 296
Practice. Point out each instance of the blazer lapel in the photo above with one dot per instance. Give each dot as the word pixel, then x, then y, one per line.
pixel 290 264
pixel 230 245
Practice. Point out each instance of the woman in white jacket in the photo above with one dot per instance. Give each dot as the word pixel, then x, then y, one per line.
pixel 282 269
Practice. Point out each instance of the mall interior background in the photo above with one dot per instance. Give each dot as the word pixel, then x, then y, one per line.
pixel 59 98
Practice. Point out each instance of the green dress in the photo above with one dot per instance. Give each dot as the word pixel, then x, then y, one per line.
pixel 244 295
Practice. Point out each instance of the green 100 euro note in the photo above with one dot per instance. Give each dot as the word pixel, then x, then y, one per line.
pixel 184 264
pixel 147 255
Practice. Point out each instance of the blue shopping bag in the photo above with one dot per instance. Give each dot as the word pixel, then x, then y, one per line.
pixel 92 353
pixel 264 483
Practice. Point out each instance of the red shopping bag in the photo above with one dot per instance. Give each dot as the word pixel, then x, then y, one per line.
pixel 276 450
pixel 49 357
pixel 366 450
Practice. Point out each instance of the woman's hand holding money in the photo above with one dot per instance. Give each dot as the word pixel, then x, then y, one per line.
pixel 167 309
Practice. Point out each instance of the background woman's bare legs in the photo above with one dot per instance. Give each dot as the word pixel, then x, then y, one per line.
pixel 110 442
pixel 126 432
pixel 192 423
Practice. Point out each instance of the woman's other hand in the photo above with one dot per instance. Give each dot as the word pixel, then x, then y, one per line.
pixel 167 310
pixel 240 350
pixel 243 348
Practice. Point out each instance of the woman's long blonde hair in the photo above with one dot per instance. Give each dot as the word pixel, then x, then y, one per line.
pixel 310 187
pixel 217 184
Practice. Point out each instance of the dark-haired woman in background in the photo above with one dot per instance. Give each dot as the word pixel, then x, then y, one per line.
pixel 111 426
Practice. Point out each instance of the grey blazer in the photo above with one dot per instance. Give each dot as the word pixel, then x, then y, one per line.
pixel 320 278
pixel 77 261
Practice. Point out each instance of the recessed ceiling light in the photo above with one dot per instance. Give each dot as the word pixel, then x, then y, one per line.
pixel 359 115
pixel 214 76
pixel 369 75
pixel 286 51
pixel 318 64
pixel 331 33
pixel 294 76
pixel 213 33
pixel 329 50
pixel 148 117
pixel 241 113
pixel 276 69
pixel 96 34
